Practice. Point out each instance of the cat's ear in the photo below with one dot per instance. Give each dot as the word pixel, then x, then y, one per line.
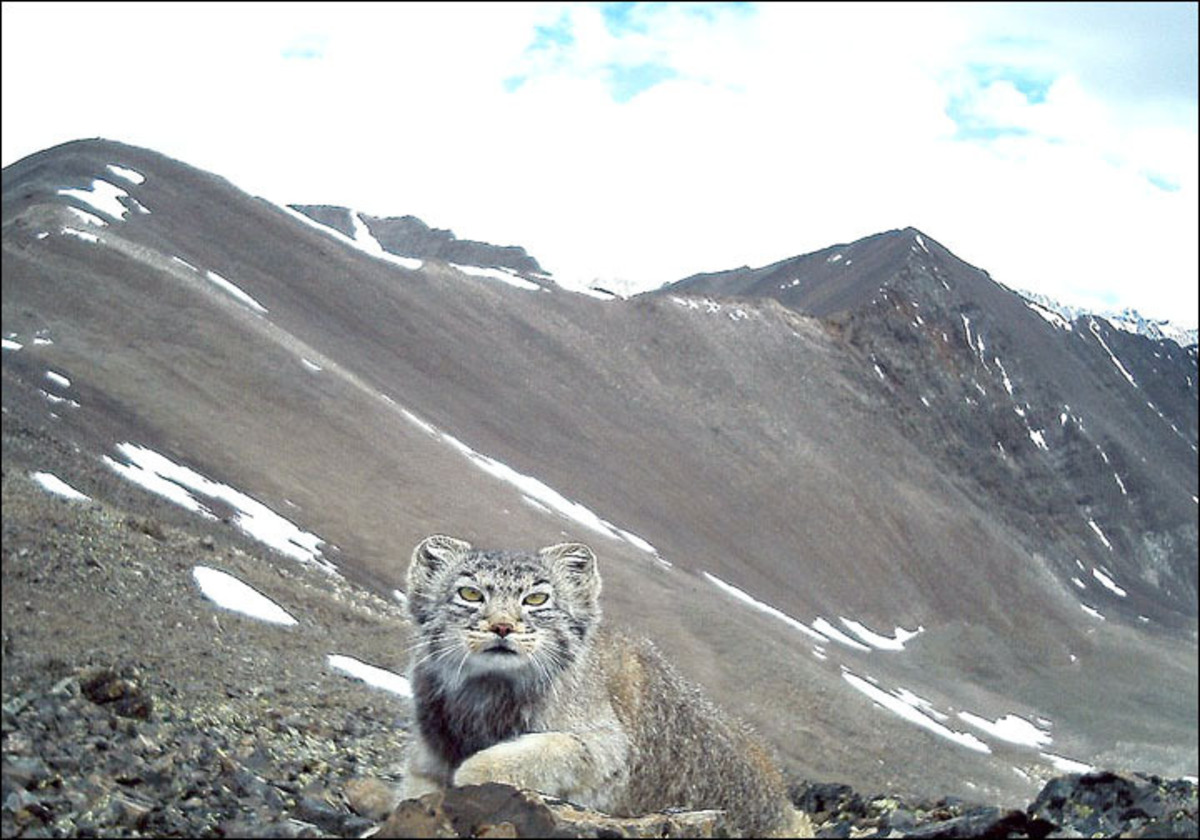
pixel 430 556
pixel 574 566
pixel 576 559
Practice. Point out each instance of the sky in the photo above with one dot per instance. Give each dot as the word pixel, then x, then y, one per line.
pixel 633 144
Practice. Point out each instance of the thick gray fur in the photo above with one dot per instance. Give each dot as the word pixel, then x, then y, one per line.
pixel 514 681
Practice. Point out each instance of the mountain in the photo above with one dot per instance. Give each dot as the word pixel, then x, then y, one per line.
pixel 925 539
pixel 1127 319
pixel 1084 433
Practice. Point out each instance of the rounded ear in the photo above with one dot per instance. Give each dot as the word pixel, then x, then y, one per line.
pixel 576 559
pixel 430 556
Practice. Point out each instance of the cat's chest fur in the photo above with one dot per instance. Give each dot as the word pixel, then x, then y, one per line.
pixel 474 715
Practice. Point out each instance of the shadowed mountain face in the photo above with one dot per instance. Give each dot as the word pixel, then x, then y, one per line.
pixel 1080 435
pixel 408 236
pixel 915 530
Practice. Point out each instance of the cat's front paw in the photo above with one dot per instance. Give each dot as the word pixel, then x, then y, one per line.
pixel 526 762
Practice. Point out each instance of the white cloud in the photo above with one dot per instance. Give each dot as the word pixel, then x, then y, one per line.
pixel 651 143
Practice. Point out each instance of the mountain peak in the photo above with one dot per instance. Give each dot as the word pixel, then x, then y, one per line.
pixel 836 279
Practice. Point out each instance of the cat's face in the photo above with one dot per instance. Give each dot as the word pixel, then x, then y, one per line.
pixel 502 612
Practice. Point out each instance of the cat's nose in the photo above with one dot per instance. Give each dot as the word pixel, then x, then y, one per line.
pixel 501 628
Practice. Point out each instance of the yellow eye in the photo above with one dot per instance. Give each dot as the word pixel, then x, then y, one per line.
pixel 470 593
pixel 536 599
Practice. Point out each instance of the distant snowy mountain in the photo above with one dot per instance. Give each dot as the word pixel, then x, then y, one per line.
pixel 1127 319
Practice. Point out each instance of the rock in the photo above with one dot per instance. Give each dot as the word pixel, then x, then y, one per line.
pixel 324 816
pixel 495 810
pixel 822 799
pixel 104 686
pixel 25 772
pixel 370 798
pixel 1110 804
pixel 980 823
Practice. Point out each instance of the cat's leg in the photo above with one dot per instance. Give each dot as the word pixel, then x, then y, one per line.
pixel 589 767
pixel 425 771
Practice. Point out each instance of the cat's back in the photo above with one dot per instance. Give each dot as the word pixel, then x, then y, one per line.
pixel 684 750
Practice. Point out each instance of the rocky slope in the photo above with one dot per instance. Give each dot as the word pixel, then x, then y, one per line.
pixel 153 713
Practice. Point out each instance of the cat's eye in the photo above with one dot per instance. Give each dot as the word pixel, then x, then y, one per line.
pixel 536 599
pixel 470 593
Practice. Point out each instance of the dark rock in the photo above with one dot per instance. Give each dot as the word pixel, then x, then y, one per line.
pixel 106 687
pixel 980 823
pixel 820 799
pixel 1110 804
pixel 25 772
pixel 320 813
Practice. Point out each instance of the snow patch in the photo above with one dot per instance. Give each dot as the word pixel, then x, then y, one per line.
pixel 759 605
pixel 1067 765
pixel 1100 534
pixel 177 483
pixel 56 399
pixel 234 290
pixel 502 274
pixel 53 484
pixel 79 234
pixel 229 593
pixel 1108 583
pixel 1007 382
pixel 377 677
pixel 1011 728
pixel 825 628
pixel 876 640
pixel 58 379
pixel 1051 316
pixel 1111 355
pixel 130 175
pixel 920 703
pixel 103 197
pixel 540 492
pixel 913 714
pixel 365 241
pixel 419 423
pixel 88 218
pixel 367 244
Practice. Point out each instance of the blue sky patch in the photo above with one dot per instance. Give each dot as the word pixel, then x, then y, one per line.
pixel 1032 84
pixel 558 34
pixel 971 126
pixel 618 18
pixel 1164 184
pixel 305 48
pixel 622 18
pixel 627 82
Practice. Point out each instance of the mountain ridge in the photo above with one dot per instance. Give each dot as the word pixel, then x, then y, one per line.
pixel 755 282
pixel 704 446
